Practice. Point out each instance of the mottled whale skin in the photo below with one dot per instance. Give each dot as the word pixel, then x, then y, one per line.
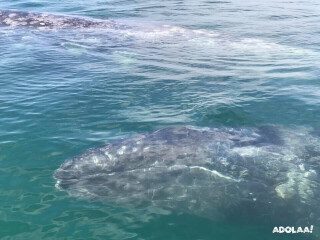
pixel 265 174
pixel 15 18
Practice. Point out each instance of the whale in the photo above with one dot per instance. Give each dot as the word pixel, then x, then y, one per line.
pixel 140 33
pixel 267 174
pixel 14 18
pixel 120 27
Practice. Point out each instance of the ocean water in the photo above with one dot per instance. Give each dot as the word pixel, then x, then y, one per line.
pixel 202 63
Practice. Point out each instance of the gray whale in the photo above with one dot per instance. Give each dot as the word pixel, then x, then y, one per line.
pixel 265 174
pixel 15 18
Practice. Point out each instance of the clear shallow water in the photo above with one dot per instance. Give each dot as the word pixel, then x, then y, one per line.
pixel 230 63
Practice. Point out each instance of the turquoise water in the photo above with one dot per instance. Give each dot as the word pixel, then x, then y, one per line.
pixel 221 63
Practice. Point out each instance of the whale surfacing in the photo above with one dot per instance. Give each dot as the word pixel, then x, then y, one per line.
pixel 14 18
pixel 218 173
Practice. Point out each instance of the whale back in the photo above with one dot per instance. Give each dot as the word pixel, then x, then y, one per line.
pixel 44 20
pixel 211 172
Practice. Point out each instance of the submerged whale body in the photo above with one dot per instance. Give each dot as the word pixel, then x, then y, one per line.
pixel 266 173
pixel 43 20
